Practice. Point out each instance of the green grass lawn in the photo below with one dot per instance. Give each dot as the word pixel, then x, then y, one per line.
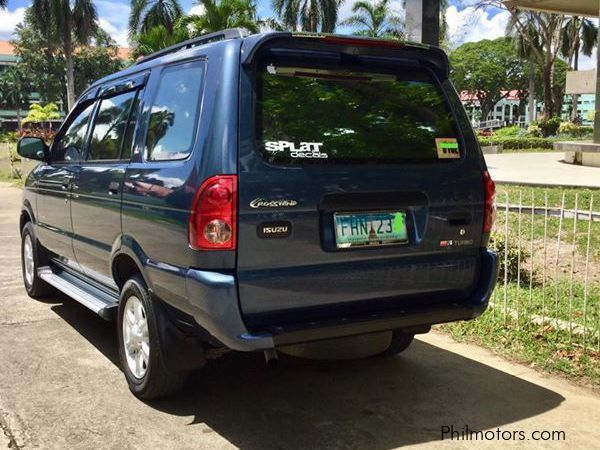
pixel 553 198
pixel 541 346
pixel 513 325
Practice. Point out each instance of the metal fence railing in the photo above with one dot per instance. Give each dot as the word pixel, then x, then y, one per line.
pixel 549 278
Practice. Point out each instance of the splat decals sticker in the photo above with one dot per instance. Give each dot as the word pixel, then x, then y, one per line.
pixel 301 150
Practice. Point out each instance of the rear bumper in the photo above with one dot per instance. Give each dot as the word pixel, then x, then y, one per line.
pixel 214 299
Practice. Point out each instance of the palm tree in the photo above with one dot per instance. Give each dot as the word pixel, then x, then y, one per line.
pixel 548 28
pixel 146 14
pixel 308 15
pixel 3 4
pixel 155 39
pixel 578 36
pixel 374 19
pixel 526 41
pixel 220 14
pixel 66 23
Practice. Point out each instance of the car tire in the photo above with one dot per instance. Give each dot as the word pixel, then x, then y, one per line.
pixel 140 352
pixel 400 342
pixel 33 257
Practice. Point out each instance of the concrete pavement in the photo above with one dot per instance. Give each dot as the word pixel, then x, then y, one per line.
pixel 540 169
pixel 60 387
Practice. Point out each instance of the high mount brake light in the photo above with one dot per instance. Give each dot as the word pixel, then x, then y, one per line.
pixel 357 42
pixel 489 210
pixel 212 223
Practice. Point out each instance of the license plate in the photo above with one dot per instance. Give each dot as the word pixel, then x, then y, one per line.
pixel 370 228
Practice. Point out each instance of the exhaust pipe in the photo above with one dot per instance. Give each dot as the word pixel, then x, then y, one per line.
pixel 271 357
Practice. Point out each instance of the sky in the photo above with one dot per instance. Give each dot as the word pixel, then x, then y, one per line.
pixel 465 23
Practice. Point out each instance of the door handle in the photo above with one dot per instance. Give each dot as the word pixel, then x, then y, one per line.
pixel 113 187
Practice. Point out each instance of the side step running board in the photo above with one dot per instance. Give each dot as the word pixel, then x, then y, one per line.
pixel 102 303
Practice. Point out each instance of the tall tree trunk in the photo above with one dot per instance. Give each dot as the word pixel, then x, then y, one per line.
pixel 532 107
pixel 70 75
pixel 485 110
pixel 315 17
pixel 547 87
pixel 575 97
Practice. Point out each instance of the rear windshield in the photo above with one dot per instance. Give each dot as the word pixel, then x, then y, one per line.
pixel 308 115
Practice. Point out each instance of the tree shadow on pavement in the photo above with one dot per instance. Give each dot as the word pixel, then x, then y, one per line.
pixel 376 403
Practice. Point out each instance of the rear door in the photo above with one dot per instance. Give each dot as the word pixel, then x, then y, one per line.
pixel 357 190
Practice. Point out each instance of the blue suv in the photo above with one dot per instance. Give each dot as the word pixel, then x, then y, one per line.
pixel 266 192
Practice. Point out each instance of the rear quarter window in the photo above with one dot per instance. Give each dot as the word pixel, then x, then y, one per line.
pixel 332 115
pixel 174 113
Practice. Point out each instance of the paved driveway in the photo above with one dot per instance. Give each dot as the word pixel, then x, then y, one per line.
pixel 60 387
pixel 541 169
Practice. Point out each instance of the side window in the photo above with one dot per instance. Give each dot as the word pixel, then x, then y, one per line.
pixel 111 127
pixel 69 146
pixel 128 138
pixel 174 113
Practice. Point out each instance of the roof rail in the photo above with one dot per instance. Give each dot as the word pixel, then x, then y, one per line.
pixel 229 33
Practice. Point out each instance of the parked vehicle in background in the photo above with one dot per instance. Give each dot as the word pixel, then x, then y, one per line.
pixel 256 192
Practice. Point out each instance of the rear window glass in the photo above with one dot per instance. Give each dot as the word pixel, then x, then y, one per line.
pixel 307 115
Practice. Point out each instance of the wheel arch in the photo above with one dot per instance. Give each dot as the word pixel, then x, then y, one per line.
pixel 26 215
pixel 128 259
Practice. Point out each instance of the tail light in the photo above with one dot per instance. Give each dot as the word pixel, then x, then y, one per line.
pixel 213 216
pixel 490 211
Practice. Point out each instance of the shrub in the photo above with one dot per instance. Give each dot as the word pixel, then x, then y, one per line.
pixel 573 130
pixel 498 244
pixel 549 127
pixel 534 130
pixel 9 136
pixel 517 143
pixel 15 164
pixel 507 131
pixel 46 134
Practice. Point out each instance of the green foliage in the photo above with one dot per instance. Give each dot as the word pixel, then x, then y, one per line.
pixel 308 15
pixel 93 63
pixel 375 20
pixel 572 130
pixel 15 163
pixel 38 113
pixel 507 132
pixel 517 143
pixel 218 15
pixel 487 68
pixel 47 64
pixel 549 127
pixel 15 85
pixel 534 130
pixel 155 39
pixel 508 257
pixel 147 14
pixel 64 26
pixel 8 137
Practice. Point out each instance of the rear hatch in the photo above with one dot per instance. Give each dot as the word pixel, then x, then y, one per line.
pixel 358 191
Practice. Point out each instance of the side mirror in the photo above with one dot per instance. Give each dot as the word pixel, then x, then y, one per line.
pixel 33 148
